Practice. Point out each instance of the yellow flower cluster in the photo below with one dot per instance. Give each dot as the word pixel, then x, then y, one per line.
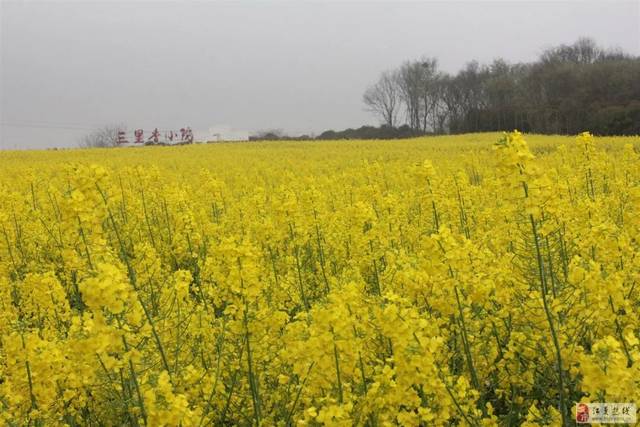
pixel 434 281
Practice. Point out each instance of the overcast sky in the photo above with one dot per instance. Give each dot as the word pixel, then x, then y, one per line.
pixel 67 67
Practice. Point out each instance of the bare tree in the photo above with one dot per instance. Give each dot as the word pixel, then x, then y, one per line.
pixel 420 92
pixel 383 98
pixel 583 51
pixel 429 90
pixel 104 137
pixel 409 78
pixel 441 112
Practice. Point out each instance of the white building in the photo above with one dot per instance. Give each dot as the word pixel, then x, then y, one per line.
pixel 223 133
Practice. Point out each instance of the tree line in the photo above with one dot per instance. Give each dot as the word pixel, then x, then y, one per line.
pixel 568 89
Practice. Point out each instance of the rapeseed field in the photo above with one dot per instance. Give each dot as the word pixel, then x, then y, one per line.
pixel 477 280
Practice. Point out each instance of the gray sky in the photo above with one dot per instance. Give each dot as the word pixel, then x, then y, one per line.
pixel 67 67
